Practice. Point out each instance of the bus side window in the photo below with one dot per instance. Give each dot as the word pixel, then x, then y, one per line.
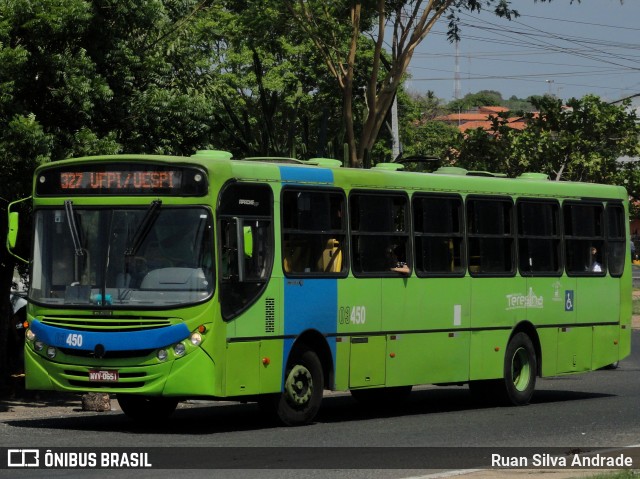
pixel 616 239
pixel 438 228
pixel 313 232
pixel 584 238
pixel 539 237
pixel 490 236
pixel 380 233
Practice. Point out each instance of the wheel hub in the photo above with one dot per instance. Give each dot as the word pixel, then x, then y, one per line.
pixel 299 386
pixel 520 369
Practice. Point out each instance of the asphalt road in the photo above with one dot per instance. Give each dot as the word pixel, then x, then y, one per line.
pixel 597 409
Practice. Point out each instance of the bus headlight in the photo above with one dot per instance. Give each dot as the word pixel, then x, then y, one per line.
pixel 162 354
pixel 51 352
pixel 196 339
pixel 179 349
pixel 30 335
pixel 38 346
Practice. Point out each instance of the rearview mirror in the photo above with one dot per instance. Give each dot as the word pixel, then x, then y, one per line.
pixel 12 236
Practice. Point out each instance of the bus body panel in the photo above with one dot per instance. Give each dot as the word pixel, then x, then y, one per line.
pixel 377 330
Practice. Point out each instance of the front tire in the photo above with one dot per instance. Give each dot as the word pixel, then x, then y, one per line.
pixel 300 401
pixel 146 409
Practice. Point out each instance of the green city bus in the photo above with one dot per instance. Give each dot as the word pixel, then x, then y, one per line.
pixel 160 279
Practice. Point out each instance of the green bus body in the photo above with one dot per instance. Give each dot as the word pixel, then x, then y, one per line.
pixel 291 289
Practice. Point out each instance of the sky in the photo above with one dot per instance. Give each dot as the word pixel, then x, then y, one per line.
pixel 558 48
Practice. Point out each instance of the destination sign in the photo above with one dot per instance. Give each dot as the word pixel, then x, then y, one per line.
pixel 122 179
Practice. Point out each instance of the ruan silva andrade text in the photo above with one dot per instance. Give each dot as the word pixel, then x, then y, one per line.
pixel 547 460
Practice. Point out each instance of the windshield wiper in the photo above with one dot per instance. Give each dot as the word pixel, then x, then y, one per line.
pixel 73 228
pixel 144 228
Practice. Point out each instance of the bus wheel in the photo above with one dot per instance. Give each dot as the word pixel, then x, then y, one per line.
pixel 520 367
pixel 146 409
pixel 300 401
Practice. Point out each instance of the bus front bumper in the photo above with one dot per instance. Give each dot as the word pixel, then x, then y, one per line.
pixel 191 375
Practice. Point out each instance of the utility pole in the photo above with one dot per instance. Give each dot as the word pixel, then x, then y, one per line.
pixel 456 80
pixel 549 82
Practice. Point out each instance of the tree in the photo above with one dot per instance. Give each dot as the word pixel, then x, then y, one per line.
pixel 581 141
pixel 277 98
pixel 474 100
pixel 422 137
pixel 336 29
pixel 87 77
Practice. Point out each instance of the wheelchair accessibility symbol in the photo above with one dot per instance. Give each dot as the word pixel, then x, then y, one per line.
pixel 568 300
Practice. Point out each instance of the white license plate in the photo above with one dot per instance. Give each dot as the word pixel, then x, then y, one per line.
pixel 104 376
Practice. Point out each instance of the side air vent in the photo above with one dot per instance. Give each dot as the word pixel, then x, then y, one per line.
pixel 270 315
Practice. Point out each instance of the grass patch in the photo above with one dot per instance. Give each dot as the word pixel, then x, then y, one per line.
pixel 627 474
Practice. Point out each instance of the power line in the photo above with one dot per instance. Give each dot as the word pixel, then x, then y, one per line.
pixel 518 42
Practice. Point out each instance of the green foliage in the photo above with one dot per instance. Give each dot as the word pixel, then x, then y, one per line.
pixel 475 100
pixel 273 91
pixel 431 139
pixel 24 145
pixel 580 143
pixel 518 106
pixel 102 76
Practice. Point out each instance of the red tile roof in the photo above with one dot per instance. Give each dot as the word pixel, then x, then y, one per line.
pixel 472 120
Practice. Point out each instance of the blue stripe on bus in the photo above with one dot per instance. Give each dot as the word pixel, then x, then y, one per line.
pixel 111 341
pixel 310 304
pixel 300 174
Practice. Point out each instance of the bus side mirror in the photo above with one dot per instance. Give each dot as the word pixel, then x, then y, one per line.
pixel 12 236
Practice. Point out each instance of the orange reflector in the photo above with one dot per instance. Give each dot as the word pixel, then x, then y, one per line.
pixel 266 361
pixel 615 341
pixel 392 355
pixel 202 328
pixel 496 349
pixel 25 325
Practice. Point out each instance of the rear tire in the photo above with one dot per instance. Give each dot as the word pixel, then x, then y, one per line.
pixel 520 369
pixel 615 365
pixel 519 376
pixel 146 409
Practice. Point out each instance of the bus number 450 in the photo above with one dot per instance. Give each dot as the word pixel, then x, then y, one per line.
pixel 353 314
pixel 74 340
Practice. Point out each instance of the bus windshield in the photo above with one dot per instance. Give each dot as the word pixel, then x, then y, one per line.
pixel 150 256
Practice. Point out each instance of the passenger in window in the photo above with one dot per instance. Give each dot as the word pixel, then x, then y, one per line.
pixel 595 266
pixel 395 264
